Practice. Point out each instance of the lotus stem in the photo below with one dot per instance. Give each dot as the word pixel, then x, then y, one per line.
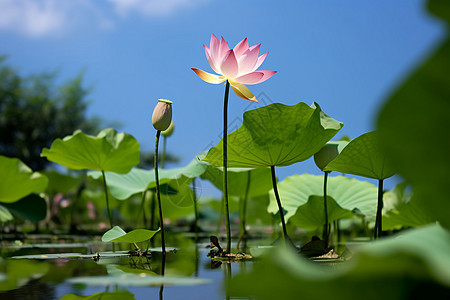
pixel 158 195
pixel 378 220
pixel 107 200
pixel 225 171
pixel 142 209
pixel 244 210
pixel 163 156
pixel 194 198
pixel 280 208
pixel 325 235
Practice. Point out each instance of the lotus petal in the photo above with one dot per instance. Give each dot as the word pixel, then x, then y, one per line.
pixel 211 62
pixel 242 91
pixel 250 78
pixel 229 65
pixel 260 61
pixel 223 49
pixel 248 60
pixel 214 49
pixel 240 48
pixel 208 77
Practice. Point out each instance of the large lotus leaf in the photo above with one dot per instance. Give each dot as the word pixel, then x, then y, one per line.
pixel 398 267
pixel 311 214
pixel 118 235
pixel 363 157
pixel 238 178
pixel 61 183
pixel 32 207
pixel 413 127
pixel 123 186
pixel 401 209
pixel 17 180
pixel 276 135
pixel 349 193
pixel 108 151
pixel 118 295
pixel 5 214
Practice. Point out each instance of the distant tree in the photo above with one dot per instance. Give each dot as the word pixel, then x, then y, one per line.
pixel 34 112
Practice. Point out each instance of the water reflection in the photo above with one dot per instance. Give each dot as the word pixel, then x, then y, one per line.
pixel 189 263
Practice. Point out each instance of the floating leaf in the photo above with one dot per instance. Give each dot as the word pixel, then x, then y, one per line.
pixel 118 295
pixel 142 279
pixel 311 214
pixel 33 208
pixel 108 151
pixel 391 268
pixel 413 127
pixel 17 180
pixel 276 135
pixel 349 193
pixel 118 235
pixel 363 157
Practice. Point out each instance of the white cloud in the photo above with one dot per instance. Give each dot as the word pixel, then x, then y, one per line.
pixel 38 18
pixel 152 7
pixel 34 18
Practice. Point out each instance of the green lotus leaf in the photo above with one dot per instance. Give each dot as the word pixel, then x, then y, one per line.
pixel 311 214
pixel 401 209
pixel 362 157
pixel 118 295
pixel 5 214
pixel 413 127
pixel 118 235
pixel 276 135
pixel 17 180
pixel 108 151
pixel 60 183
pixel 32 207
pixel 123 186
pixel 391 268
pixel 238 178
pixel 349 193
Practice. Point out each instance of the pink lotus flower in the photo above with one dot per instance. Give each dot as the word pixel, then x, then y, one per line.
pixel 237 65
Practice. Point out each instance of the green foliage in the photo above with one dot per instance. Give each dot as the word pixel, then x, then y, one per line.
pixel 310 215
pixel 32 207
pixel 34 111
pixel 108 151
pixel 238 178
pixel 400 210
pixel 350 194
pixel 362 156
pixel 118 295
pixel 61 183
pixel 276 135
pixel 17 180
pixel 392 268
pixel 118 235
pixel 413 127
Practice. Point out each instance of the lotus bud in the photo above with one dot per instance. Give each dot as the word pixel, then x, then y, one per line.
pixel 162 114
pixel 326 155
pixel 168 132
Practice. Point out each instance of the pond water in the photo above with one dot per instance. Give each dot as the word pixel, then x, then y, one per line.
pixel 53 270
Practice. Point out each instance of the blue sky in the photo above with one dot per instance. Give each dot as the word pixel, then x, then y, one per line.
pixel 346 55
